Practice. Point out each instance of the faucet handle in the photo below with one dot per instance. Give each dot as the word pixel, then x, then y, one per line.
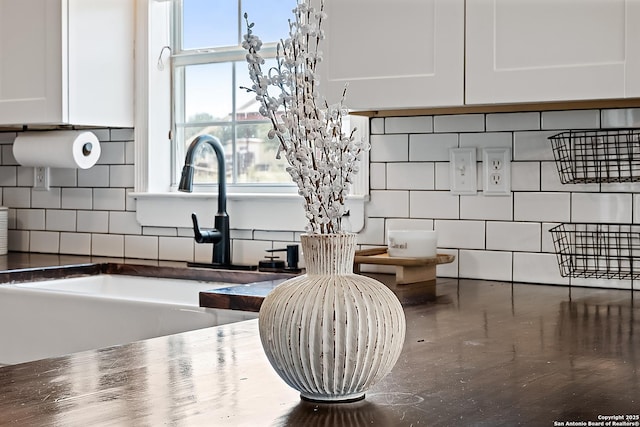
pixel 204 236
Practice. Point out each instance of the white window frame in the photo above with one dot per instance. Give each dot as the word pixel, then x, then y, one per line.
pixel 156 204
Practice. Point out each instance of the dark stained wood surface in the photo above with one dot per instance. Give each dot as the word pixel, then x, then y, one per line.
pixel 21 267
pixel 479 354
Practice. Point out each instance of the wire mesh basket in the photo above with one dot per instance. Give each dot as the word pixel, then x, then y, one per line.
pixel 587 156
pixel 610 251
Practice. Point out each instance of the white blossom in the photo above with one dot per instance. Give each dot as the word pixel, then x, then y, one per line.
pixel 322 159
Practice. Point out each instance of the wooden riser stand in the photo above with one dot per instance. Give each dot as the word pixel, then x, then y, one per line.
pixel 408 270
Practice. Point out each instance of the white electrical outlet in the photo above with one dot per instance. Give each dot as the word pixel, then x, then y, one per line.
pixel 463 171
pixel 41 178
pixel 496 163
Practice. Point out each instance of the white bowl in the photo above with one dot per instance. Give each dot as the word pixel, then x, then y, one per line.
pixel 412 243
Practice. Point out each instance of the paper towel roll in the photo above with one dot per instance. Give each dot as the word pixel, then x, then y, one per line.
pixel 57 149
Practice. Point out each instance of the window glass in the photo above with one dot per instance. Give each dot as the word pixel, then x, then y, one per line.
pixel 209 23
pixel 207 94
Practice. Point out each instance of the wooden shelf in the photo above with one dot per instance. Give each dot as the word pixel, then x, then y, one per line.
pixel 408 270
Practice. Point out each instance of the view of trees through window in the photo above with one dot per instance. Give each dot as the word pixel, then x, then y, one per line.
pixel 209 69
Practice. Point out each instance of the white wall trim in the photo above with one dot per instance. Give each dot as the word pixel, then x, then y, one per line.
pixel 252 211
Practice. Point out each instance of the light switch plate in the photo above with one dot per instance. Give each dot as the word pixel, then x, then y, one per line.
pixel 463 171
pixel 496 166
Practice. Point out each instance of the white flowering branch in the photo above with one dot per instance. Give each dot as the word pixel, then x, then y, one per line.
pixel 322 158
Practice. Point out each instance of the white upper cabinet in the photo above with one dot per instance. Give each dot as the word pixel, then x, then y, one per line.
pixel 66 62
pixel 551 50
pixel 394 54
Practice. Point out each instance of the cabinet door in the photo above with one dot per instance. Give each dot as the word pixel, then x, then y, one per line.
pixel 394 53
pixel 30 61
pixel 550 50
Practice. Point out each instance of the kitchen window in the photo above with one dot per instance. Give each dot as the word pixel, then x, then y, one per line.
pixel 209 69
pixel 159 153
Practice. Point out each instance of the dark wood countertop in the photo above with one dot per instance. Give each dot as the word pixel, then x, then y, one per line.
pixel 477 353
pixel 18 267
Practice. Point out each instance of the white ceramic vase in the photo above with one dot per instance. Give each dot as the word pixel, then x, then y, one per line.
pixel 331 334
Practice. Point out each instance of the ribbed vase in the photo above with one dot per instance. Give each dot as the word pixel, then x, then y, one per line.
pixel 331 334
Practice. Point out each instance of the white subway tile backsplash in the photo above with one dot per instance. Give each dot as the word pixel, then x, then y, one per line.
pixel 130 201
pixel 410 176
pixel 63 177
pixel 513 121
pixel 25 177
pixel 111 245
pixel 46 199
pixel 141 247
pixel 75 243
pixel 376 126
pixel 44 242
pixel 430 147
pixel 525 176
pixel 77 198
pixel 203 253
pixel 551 180
pixel 6 138
pixel 434 204
pixel 11 219
pixel 532 146
pixel 18 240
pixel 574 119
pixel 496 238
pixel 486 140
pixel 547 237
pixel 93 221
pixel 124 223
pixel 7 155
pixel 487 265
pixel 450 269
pixel 102 134
pixel 408 224
pixel 160 231
pixel 273 236
pixel 378 176
pixel 129 153
pixel 548 207
pixel 126 134
pixel 373 232
pixel 486 207
pixel 620 187
pixel 416 124
pixel 112 153
pixel 601 207
pixel 175 248
pixel 537 268
pixel 460 234
pixel 96 176
pixel 513 236
pixel 121 176
pixel 249 252
pixel 620 118
pixel 636 208
pixel 60 220
pixel 388 204
pixel 389 148
pixel 459 123
pixel 8 176
pixel 234 233
pixel 30 219
pixel 443 179
pixel 109 199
